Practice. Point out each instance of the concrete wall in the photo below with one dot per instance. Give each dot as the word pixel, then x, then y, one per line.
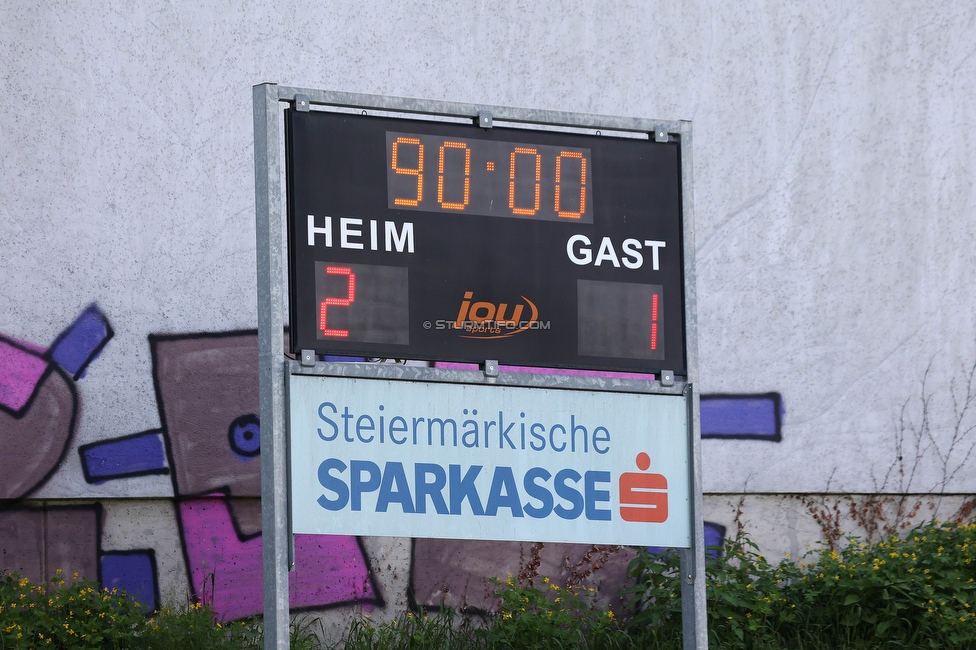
pixel 834 166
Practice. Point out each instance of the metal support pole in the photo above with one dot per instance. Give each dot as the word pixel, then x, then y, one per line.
pixel 694 621
pixel 271 366
pixel 693 616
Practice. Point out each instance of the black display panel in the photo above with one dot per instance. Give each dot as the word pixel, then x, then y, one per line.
pixel 441 241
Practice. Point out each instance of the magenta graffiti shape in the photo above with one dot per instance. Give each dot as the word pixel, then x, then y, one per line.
pixel 37 418
pixel 20 371
pixel 450 365
pixel 225 570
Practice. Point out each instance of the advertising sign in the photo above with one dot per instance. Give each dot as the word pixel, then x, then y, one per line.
pixel 437 231
pixel 474 461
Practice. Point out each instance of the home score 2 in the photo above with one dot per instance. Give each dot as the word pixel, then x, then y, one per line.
pixel 488 177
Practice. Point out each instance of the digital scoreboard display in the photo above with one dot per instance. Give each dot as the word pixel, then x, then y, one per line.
pixel 442 241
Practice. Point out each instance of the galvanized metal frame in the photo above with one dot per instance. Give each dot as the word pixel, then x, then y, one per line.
pixel 451 376
pixel 274 371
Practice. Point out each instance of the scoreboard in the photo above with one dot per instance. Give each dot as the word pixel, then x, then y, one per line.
pixel 423 239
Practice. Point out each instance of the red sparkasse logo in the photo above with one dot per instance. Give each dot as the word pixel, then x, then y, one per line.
pixel 643 497
pixel 488 320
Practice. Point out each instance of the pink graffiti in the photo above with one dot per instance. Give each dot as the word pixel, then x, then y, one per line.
pixel 450 365
pixel 20 370
pixel 226 571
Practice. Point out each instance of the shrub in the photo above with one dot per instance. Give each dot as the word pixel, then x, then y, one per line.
pixel 65 615
pixel 79 615
pixel 550 617
pixel 916 592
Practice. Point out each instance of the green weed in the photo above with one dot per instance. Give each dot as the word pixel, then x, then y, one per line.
pixel 916 592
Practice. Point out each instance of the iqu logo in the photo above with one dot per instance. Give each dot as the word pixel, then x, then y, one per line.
pixel 486 320
pixel 643 497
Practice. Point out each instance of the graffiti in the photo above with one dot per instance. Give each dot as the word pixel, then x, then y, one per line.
pixel 38 401
pixel 36 542
pixel 226 564
pixel 79 344
pixel 455 573
pixel 206 394
pixel 140 454
pixel 547 371
pixel 133 571
pixel 204 383
pixel 742 417
pixel 38 414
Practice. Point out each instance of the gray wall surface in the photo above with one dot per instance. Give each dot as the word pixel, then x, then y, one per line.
pixel 835 159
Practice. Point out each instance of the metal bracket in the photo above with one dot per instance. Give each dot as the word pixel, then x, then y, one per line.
pixel 491 368
pixel 302 103
pixel 667 377
pixel 308 358
pixel 484 119
pixel 660 135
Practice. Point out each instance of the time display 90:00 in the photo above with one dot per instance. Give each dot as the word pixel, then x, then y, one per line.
pixel 489 178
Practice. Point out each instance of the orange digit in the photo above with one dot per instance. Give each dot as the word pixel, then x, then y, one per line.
pixel 511 183
pixel 340 302
pixel 582 205
pixel 418 172
pixel 467 176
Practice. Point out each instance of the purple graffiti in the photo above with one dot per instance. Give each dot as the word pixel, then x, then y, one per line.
pixel 21 370
pixel 38 402
pixel 225 570
pixel 742 417
pixel 136 455
pixel 135 573
pixel 714 536
pixel 81 342
pixel 548 371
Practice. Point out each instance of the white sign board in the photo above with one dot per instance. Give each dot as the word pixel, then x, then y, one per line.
pixel 474 461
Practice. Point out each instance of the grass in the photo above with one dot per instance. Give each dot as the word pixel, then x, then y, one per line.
pixel 916 592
